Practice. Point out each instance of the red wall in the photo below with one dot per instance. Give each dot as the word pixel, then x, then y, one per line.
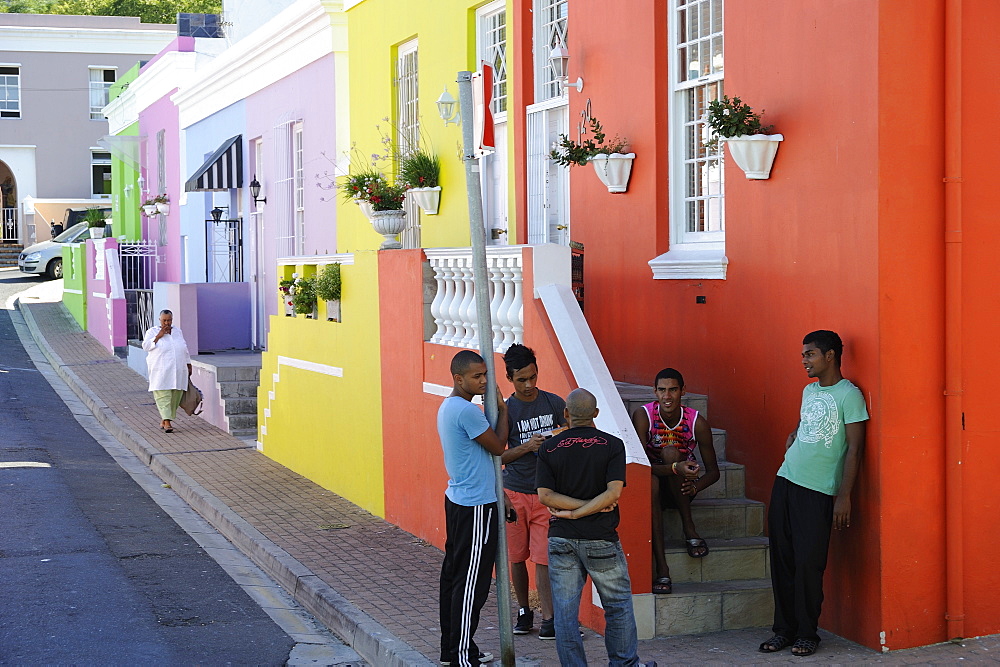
pixel 848 235
pixel 415 477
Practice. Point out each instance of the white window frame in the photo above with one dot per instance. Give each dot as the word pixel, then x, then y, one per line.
pixel 99 86
pixel 546 85
pixel 11 109
pixel 298 187
pixel 491 48
pixel 95 162
pixel 692 254
pixel 406 83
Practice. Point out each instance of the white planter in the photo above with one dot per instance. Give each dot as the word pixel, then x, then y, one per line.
pixel 365 206
pixel 428 199
pixel 333 311
pixel 754 153
pixel 389 224
pixel 613 170
pixel 163 208
pixel 97 232
pixel 289 310
pixel 150 210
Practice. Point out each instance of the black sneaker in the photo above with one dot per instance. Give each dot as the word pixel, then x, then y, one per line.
pixel 484 657
pixel 525 621
pixel 548 629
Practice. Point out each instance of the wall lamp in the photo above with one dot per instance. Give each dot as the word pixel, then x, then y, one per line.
pixel 216 214
pixel 448 109
pixel 255 191
pixel 559 60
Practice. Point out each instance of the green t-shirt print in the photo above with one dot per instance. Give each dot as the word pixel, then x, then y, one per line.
pixel 816 458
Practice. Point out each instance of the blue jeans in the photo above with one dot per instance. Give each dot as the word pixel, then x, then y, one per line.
pixel 570 561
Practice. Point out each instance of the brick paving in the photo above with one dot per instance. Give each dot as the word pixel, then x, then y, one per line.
pixel 385 574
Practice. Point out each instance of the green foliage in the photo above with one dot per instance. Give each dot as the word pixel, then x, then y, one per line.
pixel 148 11
pixel 571 152
pixel 355 185
pixel 732 118
pixel 285 286
pixel 419 169
pixel 328 283
pixel 384 196
pixel 95 217
pixel 304 296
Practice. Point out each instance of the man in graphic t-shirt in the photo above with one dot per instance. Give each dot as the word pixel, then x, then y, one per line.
pixel 532 414
pixel 812 492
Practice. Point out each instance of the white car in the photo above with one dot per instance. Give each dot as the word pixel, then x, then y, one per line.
pixel 46 257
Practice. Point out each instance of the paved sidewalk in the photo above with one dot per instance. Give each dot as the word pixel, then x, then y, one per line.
pixel 370 582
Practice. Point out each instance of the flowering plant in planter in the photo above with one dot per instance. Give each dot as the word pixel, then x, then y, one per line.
pixel 355 184
pixel 568 152
pixel 304 296
pixel 383 195
pixel 752 147
pixel 419 169
pixel 732 117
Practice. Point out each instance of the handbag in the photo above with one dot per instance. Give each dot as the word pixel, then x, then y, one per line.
pixel 191 400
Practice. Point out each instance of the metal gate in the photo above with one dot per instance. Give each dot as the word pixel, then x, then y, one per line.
pixel 138 261
pixel 225 251
pixel 9 222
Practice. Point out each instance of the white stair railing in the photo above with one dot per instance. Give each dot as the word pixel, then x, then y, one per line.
pixel 454 305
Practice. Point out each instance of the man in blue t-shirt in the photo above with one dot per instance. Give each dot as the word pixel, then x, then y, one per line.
pixel 812 492
pixel 470 508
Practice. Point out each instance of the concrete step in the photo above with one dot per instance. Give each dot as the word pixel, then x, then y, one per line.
pixel 719 517
pixel 711 607
pixel 242 423
pixel 727 560
pixel 238 374
pixel 238 389
pixel 731 484
pixel 240 406
pixel 244 434
pixel 636 395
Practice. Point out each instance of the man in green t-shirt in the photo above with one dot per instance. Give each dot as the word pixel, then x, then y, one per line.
pixel 812 493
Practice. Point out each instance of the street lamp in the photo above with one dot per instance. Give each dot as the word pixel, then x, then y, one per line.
pixel 559 60
pixel 216 214
pixel 447 108
pixel 255 191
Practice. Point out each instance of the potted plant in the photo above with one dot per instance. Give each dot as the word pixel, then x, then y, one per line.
pixel 304 297
pixel 611 163
pixel 354 185
pixel 737 124
pixel 328 289
pixel 285 287
pixel 149 207
pixel 162 203
pixel 387 217
pixel 96 221
pixel 420 171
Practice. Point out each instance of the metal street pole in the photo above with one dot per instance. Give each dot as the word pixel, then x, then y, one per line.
pixel 484 322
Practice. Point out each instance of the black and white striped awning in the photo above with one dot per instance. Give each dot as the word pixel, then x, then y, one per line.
pixel 223 170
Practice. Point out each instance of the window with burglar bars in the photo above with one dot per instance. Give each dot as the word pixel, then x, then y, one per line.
pixel 299 187
pixel 10 91
pixel 547 118
pixel 100 83
pixel 699 194
pixel 550 32
pixel 100 173
pixel 283 190
pixel 491 38
pixel 408 129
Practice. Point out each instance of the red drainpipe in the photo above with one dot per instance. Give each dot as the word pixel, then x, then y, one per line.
pixel 954 427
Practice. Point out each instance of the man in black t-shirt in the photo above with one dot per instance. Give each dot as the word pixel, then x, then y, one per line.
pixel 580 476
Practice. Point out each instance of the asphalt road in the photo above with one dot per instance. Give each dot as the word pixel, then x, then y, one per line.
pixel 93 571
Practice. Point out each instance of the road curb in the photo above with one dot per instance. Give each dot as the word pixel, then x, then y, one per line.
pixel 369 638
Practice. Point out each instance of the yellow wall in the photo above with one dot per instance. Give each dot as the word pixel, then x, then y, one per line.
pixel 327 428
pixel 446 44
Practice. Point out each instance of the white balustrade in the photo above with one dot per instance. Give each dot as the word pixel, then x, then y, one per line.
pixel 454 305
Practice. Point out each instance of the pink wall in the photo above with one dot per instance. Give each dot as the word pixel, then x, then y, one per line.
pixel 307 95
pixel 105 315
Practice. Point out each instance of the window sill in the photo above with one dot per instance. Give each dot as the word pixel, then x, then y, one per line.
pixel 686 264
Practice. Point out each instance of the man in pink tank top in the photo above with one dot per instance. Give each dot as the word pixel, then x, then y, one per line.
pixel 670 433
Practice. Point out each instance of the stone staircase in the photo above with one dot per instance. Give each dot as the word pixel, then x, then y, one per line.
pixel 9 253
pixel 730 588
pixel 231 390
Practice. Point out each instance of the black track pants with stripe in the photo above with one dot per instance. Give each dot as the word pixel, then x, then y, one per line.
pixel 469 555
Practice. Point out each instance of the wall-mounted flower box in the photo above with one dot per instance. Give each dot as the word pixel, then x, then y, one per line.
pixel 614 170
pixel 428 199
pixel 754 153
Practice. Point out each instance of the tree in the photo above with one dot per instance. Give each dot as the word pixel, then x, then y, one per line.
pixel 148 11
